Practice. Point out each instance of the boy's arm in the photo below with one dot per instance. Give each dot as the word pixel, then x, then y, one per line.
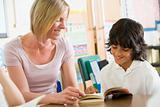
pixel 12 93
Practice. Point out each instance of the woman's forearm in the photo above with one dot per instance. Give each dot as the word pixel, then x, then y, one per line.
pixel 12 93
pixel 30 96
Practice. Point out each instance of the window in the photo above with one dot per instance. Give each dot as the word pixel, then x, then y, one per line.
pixel 3 32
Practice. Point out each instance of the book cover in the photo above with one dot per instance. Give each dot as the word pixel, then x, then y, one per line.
pixel 116 93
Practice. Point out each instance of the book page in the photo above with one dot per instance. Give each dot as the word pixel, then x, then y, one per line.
pixel 91 98
pixel 32 103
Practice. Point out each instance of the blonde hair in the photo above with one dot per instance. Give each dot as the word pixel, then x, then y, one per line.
pixel 44 13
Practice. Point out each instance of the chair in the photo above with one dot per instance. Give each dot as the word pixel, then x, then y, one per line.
pixel 102 63
pixel 82 63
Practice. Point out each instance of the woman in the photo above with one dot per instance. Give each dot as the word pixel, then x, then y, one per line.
pixel 34 60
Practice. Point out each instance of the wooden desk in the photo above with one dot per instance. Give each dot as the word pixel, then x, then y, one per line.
pixel 135 101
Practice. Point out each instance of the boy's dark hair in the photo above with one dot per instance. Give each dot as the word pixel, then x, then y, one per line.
pixel 128 34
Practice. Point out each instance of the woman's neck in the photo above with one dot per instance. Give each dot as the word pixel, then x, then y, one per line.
pixel 30 41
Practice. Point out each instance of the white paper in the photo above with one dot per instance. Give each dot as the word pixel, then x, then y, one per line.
pixel 95 69
pixel 32 103
pixel 3 101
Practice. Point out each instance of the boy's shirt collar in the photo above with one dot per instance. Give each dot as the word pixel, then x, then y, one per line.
pixel 135 64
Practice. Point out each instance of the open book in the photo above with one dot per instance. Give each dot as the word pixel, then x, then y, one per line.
pixel 91 98
pixel 112 93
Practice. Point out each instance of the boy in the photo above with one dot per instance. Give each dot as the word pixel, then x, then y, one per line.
pixel 130 69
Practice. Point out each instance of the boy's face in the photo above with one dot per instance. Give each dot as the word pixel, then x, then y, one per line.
pixel 122 56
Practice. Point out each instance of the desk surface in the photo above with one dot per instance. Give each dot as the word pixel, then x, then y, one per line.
pixel 135 101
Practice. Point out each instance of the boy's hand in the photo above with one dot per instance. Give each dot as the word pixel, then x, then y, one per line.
pixel 91 90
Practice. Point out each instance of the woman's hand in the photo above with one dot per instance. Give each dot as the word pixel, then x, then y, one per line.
pixel 68 96
pixel 91 90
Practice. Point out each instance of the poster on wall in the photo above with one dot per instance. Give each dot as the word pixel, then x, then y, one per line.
pixel 148 14
pixel 76 26
pixel 144 12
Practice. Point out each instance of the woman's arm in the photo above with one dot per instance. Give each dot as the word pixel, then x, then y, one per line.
pixel 12 93
pixel 64 97
pixel 18 77
pixel 69 74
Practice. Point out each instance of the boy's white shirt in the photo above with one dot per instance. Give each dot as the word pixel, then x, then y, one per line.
pixel 140 78
pixel 153 101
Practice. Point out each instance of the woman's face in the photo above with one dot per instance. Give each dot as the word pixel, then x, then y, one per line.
pixel 58 26
pixel 122 56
